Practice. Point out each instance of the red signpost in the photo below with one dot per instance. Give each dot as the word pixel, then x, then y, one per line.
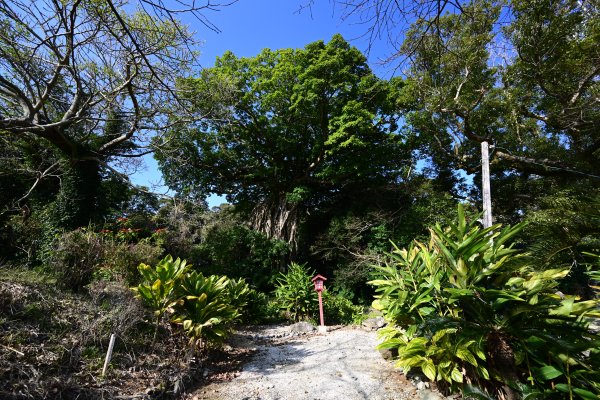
pixel 318 281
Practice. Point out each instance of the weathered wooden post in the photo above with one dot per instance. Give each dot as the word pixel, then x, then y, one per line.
pixel 485 185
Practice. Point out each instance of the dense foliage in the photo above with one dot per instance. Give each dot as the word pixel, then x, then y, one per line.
pixel 160 285
pixel 287 131
pixel 204 306
pixel 467 308
pixel 79 257
pixel 228 246
pixel 203 309
pixel 324 164
pixel 521 75
pixel 295 293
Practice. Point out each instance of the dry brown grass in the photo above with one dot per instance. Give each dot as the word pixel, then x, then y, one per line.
pixel 53 343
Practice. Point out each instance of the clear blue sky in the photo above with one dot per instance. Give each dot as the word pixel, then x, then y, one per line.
pixel 249 26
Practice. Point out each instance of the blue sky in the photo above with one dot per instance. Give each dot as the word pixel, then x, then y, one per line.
pixel 249 26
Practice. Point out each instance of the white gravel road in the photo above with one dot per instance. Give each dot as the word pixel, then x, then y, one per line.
pixel 341 364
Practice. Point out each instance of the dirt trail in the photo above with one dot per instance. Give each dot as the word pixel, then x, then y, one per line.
pixel 341 364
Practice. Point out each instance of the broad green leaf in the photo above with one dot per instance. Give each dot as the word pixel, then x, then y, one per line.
pixel 585 394
pixel 465 355
pixel 441 333
pixel 483 372
pixel 563 387
pixel 456 375
pixel 548 372
pixel 428 368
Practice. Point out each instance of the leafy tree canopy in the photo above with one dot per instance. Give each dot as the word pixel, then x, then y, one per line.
pixel 524 78
pixel 287 130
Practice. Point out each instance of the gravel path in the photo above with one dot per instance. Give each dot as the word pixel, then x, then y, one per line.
pixel 341 364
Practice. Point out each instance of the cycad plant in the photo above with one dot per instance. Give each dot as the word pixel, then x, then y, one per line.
pixel 469 310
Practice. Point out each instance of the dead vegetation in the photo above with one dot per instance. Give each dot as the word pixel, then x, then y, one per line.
pixel 53 344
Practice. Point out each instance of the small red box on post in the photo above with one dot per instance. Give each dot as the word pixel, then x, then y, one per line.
pixel 318 281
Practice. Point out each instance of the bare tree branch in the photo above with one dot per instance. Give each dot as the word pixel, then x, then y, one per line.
pixel 543 166
pixel 68 67
pixel 40 176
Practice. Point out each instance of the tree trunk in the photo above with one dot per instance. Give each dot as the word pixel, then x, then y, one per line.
pixel 502 358
pixel 277 219
pixel 77 202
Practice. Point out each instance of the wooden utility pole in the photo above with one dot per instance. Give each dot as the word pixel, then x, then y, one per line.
pixel 485 185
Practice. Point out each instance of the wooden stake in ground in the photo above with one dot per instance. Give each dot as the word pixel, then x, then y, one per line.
pixel 485 185
pixel 111 344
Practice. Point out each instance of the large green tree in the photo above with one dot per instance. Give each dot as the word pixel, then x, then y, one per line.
pixel 286 132
pixel 553 85
pixel 522 75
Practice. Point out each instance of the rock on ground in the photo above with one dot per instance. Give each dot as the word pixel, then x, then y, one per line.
pixel 342 364
pixel 373 323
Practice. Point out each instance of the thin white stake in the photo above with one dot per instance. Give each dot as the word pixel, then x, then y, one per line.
pixel 111 344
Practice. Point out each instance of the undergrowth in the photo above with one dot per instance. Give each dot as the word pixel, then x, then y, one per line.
pixel 53 343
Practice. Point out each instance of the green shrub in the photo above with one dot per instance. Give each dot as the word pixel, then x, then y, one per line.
pixel 121 260
pixel 238 294
pixel 466 308
pixel 339 309
pixel 240 252
pixel 205 307
pixel 295 293
pixel 82 255
pixel 205 312
pixel 159 289
pixel 260 309
pixel 21 239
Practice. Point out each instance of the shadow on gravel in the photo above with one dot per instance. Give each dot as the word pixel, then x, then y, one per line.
pixel 334 366
pixel 273 356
